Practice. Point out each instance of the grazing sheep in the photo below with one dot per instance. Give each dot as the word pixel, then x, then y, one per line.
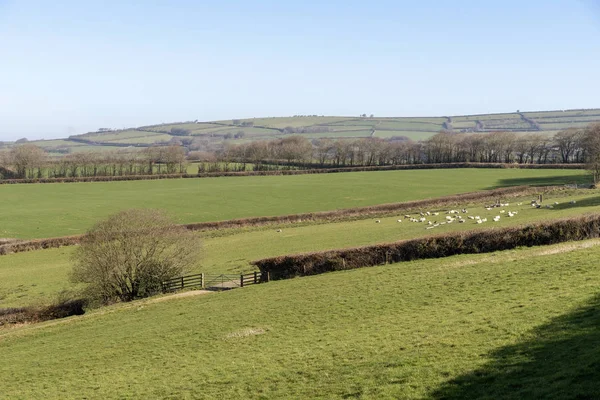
pixel 399 220
pixel 496 218
pixel 279 230
pixel 471 217
pixel 556 203
pixel 407 217
pixel 502 211
pixel 479 221
pixel 377 221
pixel 436 213
pixel 572 202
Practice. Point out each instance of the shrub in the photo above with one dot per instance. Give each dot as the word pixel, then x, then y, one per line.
pixel 130 254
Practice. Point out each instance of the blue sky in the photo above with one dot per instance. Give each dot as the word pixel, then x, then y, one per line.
pixel 69 67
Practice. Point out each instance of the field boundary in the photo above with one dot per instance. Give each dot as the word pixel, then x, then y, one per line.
pixel 379 210
pixel 329 216
pixel 437 246
pixel 213 281
pixel 320 170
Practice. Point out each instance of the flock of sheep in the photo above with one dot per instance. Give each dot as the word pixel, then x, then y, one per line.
pixel 455 216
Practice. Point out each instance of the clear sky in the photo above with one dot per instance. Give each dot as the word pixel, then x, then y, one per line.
pixel 68 67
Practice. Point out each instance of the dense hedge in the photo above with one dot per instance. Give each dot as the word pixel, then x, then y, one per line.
pixel 63 309
pixel 291 172
pixel 472 242
pixel 38 244
pixel 454 200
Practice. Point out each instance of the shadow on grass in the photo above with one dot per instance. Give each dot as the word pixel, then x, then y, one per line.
pixel 587 202
pixel 543 181
pixel 560 361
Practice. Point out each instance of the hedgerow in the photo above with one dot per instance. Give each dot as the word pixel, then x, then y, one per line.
pixel 472 242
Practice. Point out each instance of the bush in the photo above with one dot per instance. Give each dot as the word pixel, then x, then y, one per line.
pixel 130 254
pixel 61 309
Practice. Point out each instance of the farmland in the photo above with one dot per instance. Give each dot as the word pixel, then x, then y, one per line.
pixel 430 328
pixel 39 276
pixel 333 127
pixel 460 327
pixel 51 210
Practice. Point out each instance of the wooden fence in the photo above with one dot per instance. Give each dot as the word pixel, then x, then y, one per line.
pixel 215 282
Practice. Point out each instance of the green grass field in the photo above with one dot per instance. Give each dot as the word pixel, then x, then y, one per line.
pixel 37 277
pixel 511 325
pixel 49 210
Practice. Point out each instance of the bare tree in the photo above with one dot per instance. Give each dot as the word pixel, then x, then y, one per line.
pixel 174 157
pixel 591 143
pixel 26 159
pixel 567 142
pixel 130 254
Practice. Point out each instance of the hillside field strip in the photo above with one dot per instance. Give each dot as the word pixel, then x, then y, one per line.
pixel 38 276
pixel 415 128
pixel 51 210
pixel 455 328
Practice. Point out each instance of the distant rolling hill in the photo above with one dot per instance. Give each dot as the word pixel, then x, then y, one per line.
pixel 314 127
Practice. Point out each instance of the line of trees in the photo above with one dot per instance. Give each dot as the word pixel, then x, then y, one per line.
pixel 30 162
pixel 568 146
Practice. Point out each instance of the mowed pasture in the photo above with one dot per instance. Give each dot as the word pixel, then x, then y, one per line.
pixel 508 325
pixel 39 276
pixel 51 210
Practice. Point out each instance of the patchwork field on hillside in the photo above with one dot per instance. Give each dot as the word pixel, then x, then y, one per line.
pixel 415 128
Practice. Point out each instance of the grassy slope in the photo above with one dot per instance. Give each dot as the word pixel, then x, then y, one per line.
pixel 38 276
pixel 65 209
pixel 409 125
pixel 519 324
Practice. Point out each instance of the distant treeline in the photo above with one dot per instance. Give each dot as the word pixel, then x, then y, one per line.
pixel 569 146
pixel 572 146
pixel 286 171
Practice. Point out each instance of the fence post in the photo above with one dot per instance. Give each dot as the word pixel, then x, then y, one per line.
pixel 255 277
pixel 202 280
pixel 182 282
pixel 268 276
pixel 241 280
